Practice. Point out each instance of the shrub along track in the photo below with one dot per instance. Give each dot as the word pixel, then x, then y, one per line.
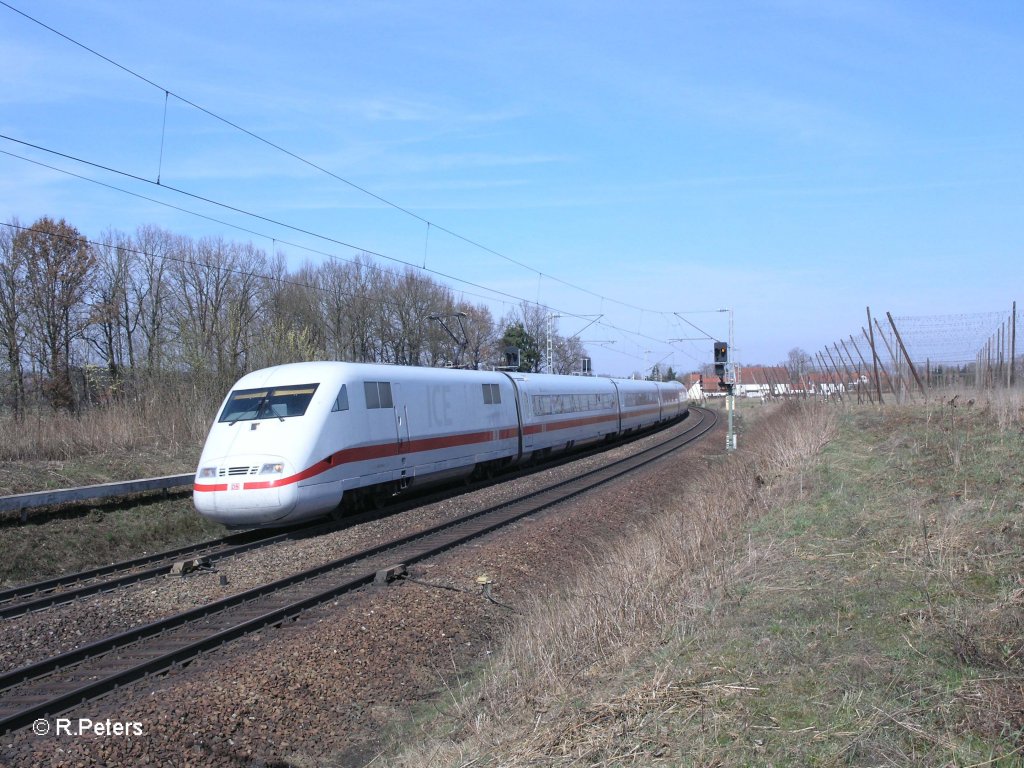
pixel 54 685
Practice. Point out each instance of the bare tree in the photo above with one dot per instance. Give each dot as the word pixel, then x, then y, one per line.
pixel 797 364
pixel 246 297
pixel 407 304
pixel 481 336
pixel 149 291
pixel 12 313
pixel 526 327
pixel 200 284
pixel 348 294
pixel 58 273
pixel 218 287
pixel 293 329
pixel 112 319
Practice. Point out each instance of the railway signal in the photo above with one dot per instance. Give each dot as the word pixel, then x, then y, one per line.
pixel 721 357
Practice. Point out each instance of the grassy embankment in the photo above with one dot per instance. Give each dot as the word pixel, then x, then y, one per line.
pixel 847 590
pixel 48 450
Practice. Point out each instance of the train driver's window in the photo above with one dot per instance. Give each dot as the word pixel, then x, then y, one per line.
pixel 341 401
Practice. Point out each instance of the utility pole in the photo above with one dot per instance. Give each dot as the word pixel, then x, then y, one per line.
pixel 550 345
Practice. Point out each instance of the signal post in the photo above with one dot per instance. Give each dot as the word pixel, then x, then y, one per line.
pixel 726 373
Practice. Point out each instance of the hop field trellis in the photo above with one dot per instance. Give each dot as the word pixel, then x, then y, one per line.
pixel 906 356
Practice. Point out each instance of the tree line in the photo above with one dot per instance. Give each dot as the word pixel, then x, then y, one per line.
pixel 85 322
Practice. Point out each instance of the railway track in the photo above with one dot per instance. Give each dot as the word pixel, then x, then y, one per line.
pixel 17 601
pixel 54 685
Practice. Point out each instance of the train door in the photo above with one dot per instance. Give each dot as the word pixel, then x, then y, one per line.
pixel 618 407
pixel 403 472
pixel 401 418
pixel 382 426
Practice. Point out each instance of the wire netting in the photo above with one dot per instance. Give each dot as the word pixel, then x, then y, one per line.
pixel 914 351
pixel 954 340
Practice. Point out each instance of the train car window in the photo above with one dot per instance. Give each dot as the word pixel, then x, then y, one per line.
pixel 634 399
pixel 550 405
pixel 267 403
pixel 372 394
pixel 341 401
pixel 378 394
pixel 492 394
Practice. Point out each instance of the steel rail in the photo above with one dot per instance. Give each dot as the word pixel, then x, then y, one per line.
pixel 162 648
pixel 17 601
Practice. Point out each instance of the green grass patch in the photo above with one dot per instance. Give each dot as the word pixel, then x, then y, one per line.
pixel 881 623
pixel 60 545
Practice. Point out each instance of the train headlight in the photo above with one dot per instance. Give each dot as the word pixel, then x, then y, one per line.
pixel 272 469
pixel 208 472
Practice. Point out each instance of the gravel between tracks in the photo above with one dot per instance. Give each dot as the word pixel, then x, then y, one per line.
pixel 321 690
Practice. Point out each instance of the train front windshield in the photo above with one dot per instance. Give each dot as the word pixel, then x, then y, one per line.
pixel 267 403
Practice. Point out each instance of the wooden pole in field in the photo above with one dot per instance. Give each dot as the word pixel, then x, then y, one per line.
pixel 874 358
pixel 910 362
pixel 895 365
pixel 1013 344
pixel 885 372
pixel 857 373
pixel 854 371
pixel 1000 335
pixel 834 378
pixel 849 375
pixel 865 364
pixel 839 375
pixel 861 378
pixel 833 387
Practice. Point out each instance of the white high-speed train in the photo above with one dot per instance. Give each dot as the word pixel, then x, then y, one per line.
pixel 291 442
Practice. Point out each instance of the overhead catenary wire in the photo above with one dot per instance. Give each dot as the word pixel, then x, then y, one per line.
pixel 327 238
pixel 494 294
pixel 305 161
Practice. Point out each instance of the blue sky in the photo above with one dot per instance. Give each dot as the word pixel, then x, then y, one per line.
pixel 794 161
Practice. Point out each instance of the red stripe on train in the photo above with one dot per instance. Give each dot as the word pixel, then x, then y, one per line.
pixel 369 452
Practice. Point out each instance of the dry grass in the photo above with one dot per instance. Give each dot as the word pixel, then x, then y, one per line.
pixel 99 537
pixel 828 598
pixel 628 601
pixel 158 419
pixel 159 432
